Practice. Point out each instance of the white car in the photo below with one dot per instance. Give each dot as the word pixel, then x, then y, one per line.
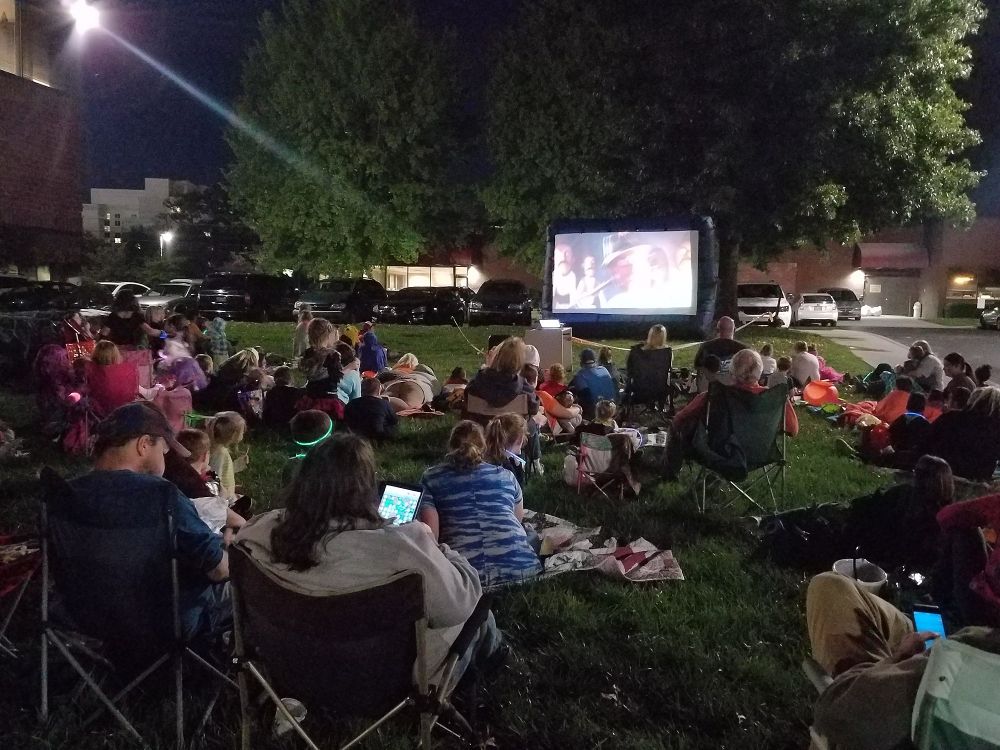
pixel 815 308
pixel 133 286
pixel 763 303
pixel 177 295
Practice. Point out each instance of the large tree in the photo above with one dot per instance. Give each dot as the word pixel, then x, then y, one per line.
pixel 354 155
pixel 789 122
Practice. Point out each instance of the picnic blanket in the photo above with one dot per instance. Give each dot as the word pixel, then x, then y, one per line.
pixel 578 548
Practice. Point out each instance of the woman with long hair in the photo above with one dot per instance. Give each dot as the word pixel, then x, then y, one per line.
pixel 969 439
pixel 329 538
pixel 476 508
pixel 300 339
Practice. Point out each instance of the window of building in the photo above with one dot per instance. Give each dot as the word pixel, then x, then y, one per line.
pixel 118 240
pixel 107 216
pixel 118 216
pixel 395 278
pixel 443 276
pixel 117 223
pixel 30 35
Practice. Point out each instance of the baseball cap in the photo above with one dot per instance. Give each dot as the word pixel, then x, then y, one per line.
pixel 587 356
pixel 531 356
pixel 135 420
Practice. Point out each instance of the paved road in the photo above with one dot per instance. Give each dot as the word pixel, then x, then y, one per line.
pixel 976 345
pixel 887 340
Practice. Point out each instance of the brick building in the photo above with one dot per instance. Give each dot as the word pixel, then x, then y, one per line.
pixel 40 161
pixel 949 270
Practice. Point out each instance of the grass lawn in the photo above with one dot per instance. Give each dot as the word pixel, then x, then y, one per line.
pixel 709 662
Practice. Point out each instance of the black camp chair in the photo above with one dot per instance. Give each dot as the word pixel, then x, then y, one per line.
pixel 741 444
pixel 355 655
pixel 647 383
pixel 117 604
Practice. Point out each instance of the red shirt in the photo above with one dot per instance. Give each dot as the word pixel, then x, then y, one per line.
pixel 551 387
pixel 973 514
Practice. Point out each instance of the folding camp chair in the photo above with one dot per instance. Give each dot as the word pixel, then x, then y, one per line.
pixel 21 560
pixel 741 444
pixel 127 603
pixel 602 462
pixel 360 654
pixel 647 384
pixel 479 410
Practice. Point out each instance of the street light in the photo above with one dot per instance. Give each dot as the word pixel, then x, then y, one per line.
pixel 85 16
pixel 165 239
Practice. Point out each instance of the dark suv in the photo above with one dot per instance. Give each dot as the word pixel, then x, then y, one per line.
pixel 246 296
pixel 501 301
pixel 424 305
pixel 344 300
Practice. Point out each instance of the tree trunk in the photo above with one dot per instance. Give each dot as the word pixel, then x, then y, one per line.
pixel 729 263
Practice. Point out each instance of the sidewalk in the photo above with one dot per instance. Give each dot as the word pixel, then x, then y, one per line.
pixel 870 347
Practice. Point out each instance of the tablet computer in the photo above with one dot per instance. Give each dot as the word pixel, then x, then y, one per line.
pixel 399 502
pixel 928 618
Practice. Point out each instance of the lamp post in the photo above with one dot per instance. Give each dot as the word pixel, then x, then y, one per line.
pixel 165 239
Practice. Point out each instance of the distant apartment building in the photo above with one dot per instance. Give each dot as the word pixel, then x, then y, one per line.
pixel 112 212
pixel 40 164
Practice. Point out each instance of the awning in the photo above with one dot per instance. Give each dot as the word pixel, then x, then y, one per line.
pixel 897 256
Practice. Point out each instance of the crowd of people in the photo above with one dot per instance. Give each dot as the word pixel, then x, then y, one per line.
pixel 166 404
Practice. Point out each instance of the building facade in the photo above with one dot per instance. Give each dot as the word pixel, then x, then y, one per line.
pixel 112 212
pixel 949 271
pixel 40 161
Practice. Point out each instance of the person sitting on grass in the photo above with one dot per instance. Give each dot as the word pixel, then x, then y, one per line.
pixel 476 508
pixel 555 380
pixel 194 477
pixel 746 369
pixel 129 459
pixel 983 373
pixel 908 433
pixel 893 404
pixel 562 414
pixel 767 357
pixel 226 431
pixel 957 399
pixel 825 371
pixel 606 359
pixel 936 405
pixel 505 438
pixel 371 416
pixel 969 440
pixel 960 372
pixel 328 538
pixel 322 367
pixel 805 366
pixel 309 429
pixel 781 374
pixel 349 387
pixel 300 337
pixel 591 383
pixel 371 353
pixel 280 401
pixel 876 659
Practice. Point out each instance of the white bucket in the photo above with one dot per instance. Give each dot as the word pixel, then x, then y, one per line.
pixel 281 725
pixel 870 576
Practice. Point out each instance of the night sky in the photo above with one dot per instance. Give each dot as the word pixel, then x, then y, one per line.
pixel 139 124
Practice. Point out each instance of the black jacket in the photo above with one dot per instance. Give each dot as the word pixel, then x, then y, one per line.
pixel 371 417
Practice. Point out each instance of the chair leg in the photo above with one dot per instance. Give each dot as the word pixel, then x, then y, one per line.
pixel 426 724
pixel 178 658
pixel 281 706
pixel 241 680
pixel 97 690
pixel 43 710
pixel 5 645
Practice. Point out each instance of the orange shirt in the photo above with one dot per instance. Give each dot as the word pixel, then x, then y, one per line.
pixel 892 407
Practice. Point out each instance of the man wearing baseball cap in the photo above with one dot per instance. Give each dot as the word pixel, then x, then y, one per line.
pixel 128 468
pixel 592 383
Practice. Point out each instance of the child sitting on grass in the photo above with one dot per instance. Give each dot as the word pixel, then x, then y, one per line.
pixel 309 428
pixel 371 416
pixel 505 438
pixel 604 414
pixel 226 431
pixel 193 477
pixel 279 402
pixel 783 375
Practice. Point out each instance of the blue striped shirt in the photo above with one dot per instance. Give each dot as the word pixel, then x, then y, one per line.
pixel 476 513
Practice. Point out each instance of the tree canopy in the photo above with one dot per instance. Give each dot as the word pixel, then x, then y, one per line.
pixel 787 122
pixel 355 109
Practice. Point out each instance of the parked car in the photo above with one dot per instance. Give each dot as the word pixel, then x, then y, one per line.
pixel 423 305
pixel 14 282
pixel 848 303
pixel 990 318
pixel 177 295
pixel 344 300
pixel 133 286
pixel 246 296
pixel 764 303
pixel 501 301
pixel 815 308
pixel 55 295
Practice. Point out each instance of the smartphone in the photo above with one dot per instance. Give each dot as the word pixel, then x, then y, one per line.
pixel 927 617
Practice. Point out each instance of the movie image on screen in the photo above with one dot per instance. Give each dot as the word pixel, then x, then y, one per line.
pixel 619 273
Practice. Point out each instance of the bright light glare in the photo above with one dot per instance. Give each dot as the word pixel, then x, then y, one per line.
pixel 167 237
pixel 86 17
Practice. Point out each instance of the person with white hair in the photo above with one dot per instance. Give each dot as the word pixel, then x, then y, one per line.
pixel 745 370
pixel 724 346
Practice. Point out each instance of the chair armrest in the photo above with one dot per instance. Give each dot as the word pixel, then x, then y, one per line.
pixel 471 628
pixel 816 674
